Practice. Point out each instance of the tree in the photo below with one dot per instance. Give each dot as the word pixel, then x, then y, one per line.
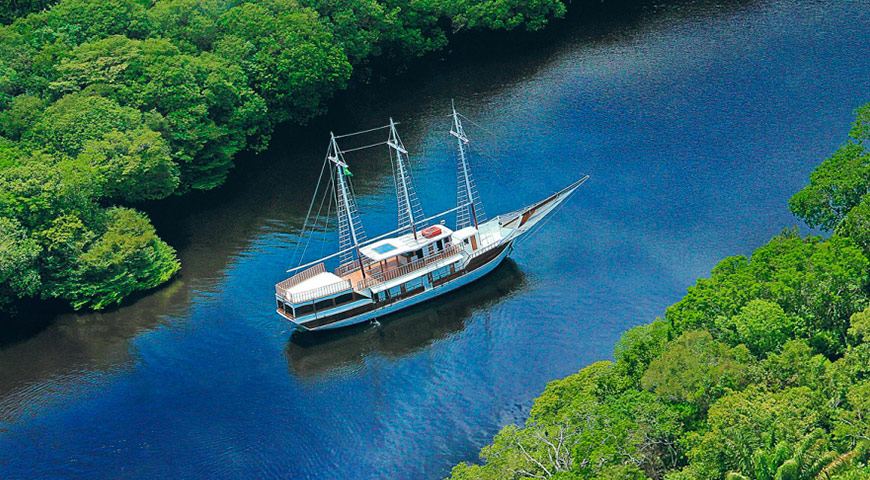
pixel 696 369
pixel 76 118
pixel 761 325
pixel 856 224
pixel 837 185
pixel 638 347
pixel 289 56
pixel 741 423
pixel 19 273
pixel 133 166
pixel 127 257
pixel 820 283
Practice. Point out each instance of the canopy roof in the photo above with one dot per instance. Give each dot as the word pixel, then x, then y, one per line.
pixel 463 233
pixel 322 279
pixel 390 247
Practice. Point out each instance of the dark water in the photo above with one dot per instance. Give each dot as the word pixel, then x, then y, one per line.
pixel 696 122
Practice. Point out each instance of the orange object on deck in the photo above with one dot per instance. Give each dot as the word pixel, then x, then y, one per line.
pixel 432 231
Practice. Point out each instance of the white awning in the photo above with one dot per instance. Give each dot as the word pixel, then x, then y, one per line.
pixel 322 279
pixel 464 233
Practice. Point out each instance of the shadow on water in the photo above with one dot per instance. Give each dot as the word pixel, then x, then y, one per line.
pixel 318 354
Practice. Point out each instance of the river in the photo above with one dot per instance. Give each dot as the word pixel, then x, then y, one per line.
pixel 696 121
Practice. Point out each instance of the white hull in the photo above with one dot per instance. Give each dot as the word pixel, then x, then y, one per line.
pixel 428 294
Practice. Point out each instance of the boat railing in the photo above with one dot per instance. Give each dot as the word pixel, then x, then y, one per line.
pixel 485 249
pixel 374 278
pixel 326 290
pixel 299 278
pixel 283 288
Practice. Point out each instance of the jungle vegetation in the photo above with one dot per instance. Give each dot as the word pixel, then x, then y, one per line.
pixel 761 372
pixel 105 104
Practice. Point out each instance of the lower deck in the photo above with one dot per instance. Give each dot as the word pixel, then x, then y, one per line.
pixel 405 294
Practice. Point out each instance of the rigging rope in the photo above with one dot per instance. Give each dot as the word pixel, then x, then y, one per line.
pixel 363 131
pixel 363 147
pixel 310 207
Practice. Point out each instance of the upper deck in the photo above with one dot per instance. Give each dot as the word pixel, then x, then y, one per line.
pixel 387 260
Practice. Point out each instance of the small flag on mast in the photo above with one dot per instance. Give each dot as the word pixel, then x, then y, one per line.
pixel 347 172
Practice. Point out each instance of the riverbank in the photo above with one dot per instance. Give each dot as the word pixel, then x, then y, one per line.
pixel 760 372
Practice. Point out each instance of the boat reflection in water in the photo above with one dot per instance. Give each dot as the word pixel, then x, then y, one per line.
pixel 334 352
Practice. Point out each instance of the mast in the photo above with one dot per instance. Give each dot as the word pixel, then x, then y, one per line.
pixel 345 200
pixel 466 192
pixel 408 203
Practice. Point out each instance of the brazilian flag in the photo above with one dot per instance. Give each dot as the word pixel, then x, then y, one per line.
pixel 347 172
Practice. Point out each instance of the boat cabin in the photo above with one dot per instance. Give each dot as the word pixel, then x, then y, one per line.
pixel 401 250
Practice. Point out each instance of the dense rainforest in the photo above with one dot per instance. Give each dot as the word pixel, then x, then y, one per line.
pixel 105 104
pixel 761 372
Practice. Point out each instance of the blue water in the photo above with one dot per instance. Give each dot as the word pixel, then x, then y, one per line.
pixel 696 123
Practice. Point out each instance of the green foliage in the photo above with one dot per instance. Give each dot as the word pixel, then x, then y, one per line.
pixel 506 14
pixel 819 283
pixel 795 366
pixel 837 185
pixel 135 165
pixel 19 273
pixel 290 57
pixel 696 369
pixel 743 422
pixel 638 347
pixel 860 325
pixel 856 224
pixel 77 118
pixel 11 9
pixel 761 325
pixel 127 257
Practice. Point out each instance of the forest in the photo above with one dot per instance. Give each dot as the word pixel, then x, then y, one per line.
pixel 761 372
pixel 105 104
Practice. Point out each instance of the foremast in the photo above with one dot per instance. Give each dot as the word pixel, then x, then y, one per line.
pixel 350 229
pixel 470 209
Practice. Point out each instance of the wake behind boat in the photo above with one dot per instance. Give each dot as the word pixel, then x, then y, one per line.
pixel 416 262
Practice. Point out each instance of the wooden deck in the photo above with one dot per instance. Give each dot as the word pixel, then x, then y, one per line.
pixel 374 269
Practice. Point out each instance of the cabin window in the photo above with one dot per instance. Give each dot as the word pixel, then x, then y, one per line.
pixel 303 309
pixel 280 305
pixel 323 305
pixel 441 272
pixel 395 291
pixel 440 244
pixel 346 298
pixel 375 297
pixel 419 253
pixel 415 283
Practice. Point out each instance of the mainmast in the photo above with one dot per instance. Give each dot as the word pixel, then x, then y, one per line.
pixel 349 227
pixel 409 206
pixel 468 201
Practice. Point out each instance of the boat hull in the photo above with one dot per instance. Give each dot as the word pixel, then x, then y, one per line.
pixel 367 313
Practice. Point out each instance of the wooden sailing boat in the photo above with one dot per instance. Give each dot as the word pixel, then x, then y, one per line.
pixel 414 263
